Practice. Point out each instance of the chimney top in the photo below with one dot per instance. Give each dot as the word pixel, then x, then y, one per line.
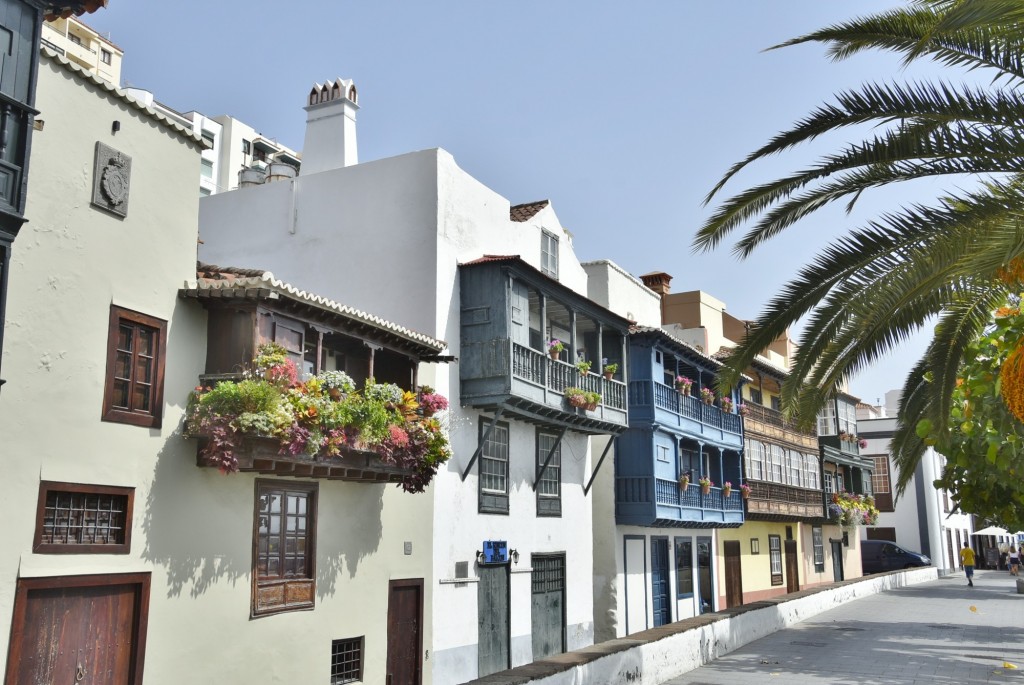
pixel 658 281
pixel 330 141
pixel 333 90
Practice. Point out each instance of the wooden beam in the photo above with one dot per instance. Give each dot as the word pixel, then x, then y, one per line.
pixel 600 461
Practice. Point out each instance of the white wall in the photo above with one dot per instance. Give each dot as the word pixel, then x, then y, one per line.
pixel 611 286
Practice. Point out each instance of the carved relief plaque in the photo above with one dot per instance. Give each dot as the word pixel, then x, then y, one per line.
pixel 111 180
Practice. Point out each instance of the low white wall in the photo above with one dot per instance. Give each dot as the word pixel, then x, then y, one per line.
pixel 645 659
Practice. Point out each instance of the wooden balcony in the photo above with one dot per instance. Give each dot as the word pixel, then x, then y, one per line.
pixel 765 422
pixel 531 384
pixel 775 502
pixel 660 502
pixel 662 404
pixel 262 455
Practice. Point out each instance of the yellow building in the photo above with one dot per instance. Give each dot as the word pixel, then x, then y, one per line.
pixel 84 47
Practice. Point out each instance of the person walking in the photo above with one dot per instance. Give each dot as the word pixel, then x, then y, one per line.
pixel 967 561
pixel 1013 560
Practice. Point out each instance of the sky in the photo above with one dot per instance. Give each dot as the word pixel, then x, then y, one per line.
pixel 623 114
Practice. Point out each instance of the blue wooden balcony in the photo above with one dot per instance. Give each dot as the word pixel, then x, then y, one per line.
pixel 651 501
pixel 531 384
pixel 651 401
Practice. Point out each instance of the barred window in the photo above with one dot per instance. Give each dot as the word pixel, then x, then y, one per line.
pixel 81 519
pixel 347 660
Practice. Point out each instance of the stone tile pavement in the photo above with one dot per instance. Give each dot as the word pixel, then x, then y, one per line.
pixel 940 632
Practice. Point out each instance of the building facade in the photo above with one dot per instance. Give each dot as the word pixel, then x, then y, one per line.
pixel 84 47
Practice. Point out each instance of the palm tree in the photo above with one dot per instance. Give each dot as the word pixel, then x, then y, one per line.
pixel 952 259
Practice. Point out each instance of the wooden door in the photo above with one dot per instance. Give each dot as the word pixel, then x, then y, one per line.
pixel 705 579
pixel 837 558
pixel 86 630
pixel 792 566
pixel 494 621
pixel 548 609
pixel 733 574
pixel 405 637
pixel 659 581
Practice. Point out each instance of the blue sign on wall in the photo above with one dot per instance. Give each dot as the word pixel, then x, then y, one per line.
pixel 495 551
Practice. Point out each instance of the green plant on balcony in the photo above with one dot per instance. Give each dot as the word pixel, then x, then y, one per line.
pixel 684 481
pixel 707 395
pixel 850 510
pixel 744 490
pixel 555 347
pixel 319 418
pixel 577 397
pixel 583 366
pixel 705 484
pixel 727 488
pixel 609 370
pixel 727 404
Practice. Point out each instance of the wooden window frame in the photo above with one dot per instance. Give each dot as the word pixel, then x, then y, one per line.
pixel 775 556
pixel 154 417
pixel 46 486
pixel 549 504
pixel 258 608
pixel 493 501
pixel 549 240
pixel 687 563
pixel 818 545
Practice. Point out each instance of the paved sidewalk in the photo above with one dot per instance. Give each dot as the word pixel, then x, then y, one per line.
pixel 937 632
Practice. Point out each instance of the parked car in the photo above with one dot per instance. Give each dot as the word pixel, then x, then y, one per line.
pixel 878 556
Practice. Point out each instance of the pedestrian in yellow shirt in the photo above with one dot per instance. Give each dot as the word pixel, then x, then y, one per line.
pixel 967 561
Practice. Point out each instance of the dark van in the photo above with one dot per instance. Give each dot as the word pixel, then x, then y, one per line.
pixel 881 555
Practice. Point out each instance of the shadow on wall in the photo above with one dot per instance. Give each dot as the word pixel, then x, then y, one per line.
pixel 198 523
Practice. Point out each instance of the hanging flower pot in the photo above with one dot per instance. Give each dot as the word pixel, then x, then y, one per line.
pixel 684 482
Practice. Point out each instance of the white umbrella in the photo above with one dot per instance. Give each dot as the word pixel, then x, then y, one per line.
pixel 991 530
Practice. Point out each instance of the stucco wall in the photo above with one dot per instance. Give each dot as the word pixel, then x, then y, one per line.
pixel 192 527
pixel 612 287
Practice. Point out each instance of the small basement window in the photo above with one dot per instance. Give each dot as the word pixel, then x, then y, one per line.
pixel 73 518
pixel 347 660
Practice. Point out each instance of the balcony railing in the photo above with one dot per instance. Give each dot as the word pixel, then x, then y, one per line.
pixel 669 492
pixel 668 399
pixel 540 369
pixel 779 499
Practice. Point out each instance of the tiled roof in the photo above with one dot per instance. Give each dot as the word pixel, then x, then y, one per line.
pixel 760 364
pixel 711 359
pixel 494 258
pixel 121 95
pixel 215 281
pixel 527 211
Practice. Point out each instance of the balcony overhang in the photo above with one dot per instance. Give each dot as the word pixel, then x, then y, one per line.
pixel 588 422
pixel 262 455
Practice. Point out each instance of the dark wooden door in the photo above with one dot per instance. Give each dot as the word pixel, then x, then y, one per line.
pixel 494 622
pixel 405 638
pixel 548 610
pixel 659 581
pixel 733 574
pixel 67 631
pixel 837 559
pixel 792 566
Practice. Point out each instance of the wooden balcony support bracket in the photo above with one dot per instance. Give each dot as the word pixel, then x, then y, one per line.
pixel 597 468
pixel 483 439
pixel 547 459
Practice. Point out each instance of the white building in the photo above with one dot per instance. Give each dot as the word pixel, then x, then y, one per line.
pixel 125 561
pixel 416 239
pixel 922 519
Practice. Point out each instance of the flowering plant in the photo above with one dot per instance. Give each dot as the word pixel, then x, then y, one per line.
pixel 744 489
pixel 684 480
pixel 556 345
pixel 851 510
pixel 307 420
pixel 862 443
pixel 583 366
pixel 683 383
pixel 727 485
pixel 743 409
pixel 705 482
pixel 726 404
pixel 707 394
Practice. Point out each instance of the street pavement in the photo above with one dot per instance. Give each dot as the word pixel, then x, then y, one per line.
pixel 936 632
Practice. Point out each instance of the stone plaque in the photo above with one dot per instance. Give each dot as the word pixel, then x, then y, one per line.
pixel 112 174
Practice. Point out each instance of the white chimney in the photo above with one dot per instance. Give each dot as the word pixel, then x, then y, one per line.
pixel 330 127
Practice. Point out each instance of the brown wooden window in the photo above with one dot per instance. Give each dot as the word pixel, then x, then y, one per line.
pixel 775 558
pixel 134 391
pixel 284 532
pixel 83 519
pixel 346 660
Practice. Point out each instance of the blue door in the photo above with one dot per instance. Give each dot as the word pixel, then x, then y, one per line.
pixel 659 581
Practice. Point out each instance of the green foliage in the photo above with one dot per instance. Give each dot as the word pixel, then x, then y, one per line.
pixel 983 440
pixel 939 261
pixel 247 396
